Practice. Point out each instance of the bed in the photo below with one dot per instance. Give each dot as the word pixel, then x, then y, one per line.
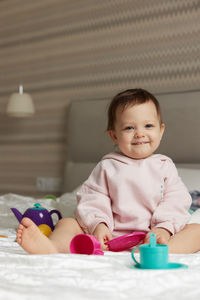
pixel 74 276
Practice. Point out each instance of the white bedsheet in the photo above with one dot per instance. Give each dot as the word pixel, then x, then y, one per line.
pixel 71 276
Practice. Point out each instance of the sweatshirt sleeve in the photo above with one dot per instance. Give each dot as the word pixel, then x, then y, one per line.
pixel 94 204
pixel 172 212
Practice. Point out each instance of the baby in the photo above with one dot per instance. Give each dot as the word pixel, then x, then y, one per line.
pixel 129 190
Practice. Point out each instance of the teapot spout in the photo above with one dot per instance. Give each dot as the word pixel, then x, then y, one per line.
pixel 17 214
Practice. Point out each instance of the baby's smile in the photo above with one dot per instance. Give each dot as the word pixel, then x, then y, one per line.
pixel 140 143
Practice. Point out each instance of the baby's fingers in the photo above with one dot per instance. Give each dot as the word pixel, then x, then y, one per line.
pixel 146 240
pixel 162 240
pixel 104 247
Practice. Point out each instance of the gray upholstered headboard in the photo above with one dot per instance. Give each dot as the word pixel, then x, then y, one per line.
pixel 87 140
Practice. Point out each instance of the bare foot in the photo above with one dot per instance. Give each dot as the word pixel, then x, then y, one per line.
pixel 32 240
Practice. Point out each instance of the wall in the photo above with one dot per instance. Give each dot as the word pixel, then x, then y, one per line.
pixel 65 50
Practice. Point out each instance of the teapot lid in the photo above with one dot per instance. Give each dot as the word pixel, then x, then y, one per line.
pixel 37 206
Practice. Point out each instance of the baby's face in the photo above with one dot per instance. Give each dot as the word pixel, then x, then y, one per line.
pixel 137 130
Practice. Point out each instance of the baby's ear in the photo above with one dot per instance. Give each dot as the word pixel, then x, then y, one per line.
pixel 162 129
pixel 112 135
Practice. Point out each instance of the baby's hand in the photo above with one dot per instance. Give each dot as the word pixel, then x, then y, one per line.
pixel 103 234
pixel 162 235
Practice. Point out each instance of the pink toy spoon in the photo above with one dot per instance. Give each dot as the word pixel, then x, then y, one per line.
pixel 126 241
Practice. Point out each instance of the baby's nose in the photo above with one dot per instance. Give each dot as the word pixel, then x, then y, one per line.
pixel 139 133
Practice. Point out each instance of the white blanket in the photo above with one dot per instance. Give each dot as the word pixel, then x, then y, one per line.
pixel 72 276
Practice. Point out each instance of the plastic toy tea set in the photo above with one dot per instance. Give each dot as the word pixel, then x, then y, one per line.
pixel 152 255
pixel 40 216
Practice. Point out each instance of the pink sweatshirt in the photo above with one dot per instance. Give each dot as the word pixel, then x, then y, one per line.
pixel 133 195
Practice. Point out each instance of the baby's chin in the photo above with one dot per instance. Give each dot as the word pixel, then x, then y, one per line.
pixel 138 156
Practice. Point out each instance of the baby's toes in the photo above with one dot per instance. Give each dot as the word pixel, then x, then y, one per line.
pixel 20 227
pixel 19 238
pixel 19 235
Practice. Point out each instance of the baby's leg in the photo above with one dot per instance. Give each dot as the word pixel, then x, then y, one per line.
pixel 33 241
pixel 186 241
pixel 63 233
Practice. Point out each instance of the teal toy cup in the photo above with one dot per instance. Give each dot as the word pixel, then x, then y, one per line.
pixel 152 256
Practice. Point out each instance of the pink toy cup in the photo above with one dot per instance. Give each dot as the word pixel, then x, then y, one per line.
pixel 85 244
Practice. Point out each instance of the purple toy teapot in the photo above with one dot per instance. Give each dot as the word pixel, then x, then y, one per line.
pixel 38 214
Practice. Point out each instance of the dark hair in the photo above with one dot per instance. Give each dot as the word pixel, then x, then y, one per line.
pixel 129 98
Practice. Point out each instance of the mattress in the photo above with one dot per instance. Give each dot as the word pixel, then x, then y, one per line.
pixel 74 276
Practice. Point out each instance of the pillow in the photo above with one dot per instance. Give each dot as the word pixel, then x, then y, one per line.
pixel 67 204
pixel 190 177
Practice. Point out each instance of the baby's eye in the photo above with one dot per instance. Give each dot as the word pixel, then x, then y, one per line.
pixel 128 128
pixel 148 125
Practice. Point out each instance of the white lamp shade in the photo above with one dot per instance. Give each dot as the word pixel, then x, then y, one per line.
pixel 20 105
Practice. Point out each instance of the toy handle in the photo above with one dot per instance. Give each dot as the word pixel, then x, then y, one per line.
pixel 98 252
pixel 55 211
pixel 133 257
